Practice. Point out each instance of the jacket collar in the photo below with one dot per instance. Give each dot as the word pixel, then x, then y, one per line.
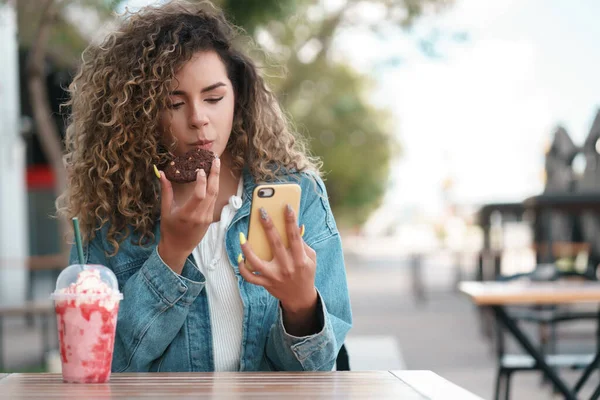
pixel 249 184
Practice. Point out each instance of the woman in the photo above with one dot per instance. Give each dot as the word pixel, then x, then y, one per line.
pixel 170 80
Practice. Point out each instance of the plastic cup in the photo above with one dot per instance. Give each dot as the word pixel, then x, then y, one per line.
pixel 86 301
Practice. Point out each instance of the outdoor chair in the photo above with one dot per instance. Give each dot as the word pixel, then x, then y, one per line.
pixel 508 364
pixel 342 362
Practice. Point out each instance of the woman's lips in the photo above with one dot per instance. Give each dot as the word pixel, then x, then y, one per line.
pixel 203 145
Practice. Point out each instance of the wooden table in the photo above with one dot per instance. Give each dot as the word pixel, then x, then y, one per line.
pixel 526 292
pixel 406 385
pixel 498 295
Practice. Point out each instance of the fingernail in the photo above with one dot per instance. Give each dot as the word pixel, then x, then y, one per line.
pixel 240 258
pixel 156 171
pixel 202 173
pixel 302 230
pixel 289 209
pixel 217 163
pixel 263 213
pixel 242 238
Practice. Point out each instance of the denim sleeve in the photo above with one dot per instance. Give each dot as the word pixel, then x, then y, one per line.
pixel 317 352
pixel 155 306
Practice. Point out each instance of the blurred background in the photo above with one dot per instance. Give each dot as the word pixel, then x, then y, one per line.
pixel 436 121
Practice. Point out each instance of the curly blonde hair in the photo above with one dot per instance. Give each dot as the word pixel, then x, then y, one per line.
pixel 113 134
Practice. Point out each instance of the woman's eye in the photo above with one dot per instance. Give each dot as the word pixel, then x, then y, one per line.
pixel 175 106
pixel 215 100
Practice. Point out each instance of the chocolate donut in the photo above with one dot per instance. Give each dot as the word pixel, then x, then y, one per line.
pixel 182 169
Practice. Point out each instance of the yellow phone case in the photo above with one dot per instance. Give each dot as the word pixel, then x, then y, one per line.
pixel 285 193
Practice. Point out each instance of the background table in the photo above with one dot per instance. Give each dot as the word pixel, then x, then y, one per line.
pixel 498 295
pixel 406 385
pixel 525 292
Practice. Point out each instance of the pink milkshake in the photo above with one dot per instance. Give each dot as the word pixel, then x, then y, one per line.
pixel 86 303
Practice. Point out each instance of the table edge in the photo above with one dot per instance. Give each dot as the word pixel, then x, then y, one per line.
pixel 499 299
pixel 494 300
pixel 395 375
pixel 432 390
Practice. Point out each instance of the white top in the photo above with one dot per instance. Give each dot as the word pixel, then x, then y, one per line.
pixel 224 301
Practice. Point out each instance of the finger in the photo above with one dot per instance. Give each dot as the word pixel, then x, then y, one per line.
pixel 166 193
pixel 310 252
pixel 293 234
pixel 249 276
pixel 273 237
pixel 198 195
pixel 212 188
pixel 252 261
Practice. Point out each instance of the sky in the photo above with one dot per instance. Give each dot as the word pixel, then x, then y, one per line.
pixel 482 110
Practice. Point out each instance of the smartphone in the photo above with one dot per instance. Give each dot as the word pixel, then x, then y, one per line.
pixel 272 198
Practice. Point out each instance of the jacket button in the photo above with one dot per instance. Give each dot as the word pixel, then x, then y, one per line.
pixel 182 289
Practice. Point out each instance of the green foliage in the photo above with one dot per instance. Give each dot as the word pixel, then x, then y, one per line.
pixel 327 99
pixel 251 14
pixel 352 138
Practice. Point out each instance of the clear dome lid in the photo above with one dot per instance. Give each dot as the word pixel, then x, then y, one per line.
pixel 89 280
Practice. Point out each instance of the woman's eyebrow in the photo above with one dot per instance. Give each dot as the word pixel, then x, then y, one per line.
pixel 204 90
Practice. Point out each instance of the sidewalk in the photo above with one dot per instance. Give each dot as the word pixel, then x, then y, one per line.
pixel 442 334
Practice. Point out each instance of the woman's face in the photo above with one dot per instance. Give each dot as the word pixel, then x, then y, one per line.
pixel 202 105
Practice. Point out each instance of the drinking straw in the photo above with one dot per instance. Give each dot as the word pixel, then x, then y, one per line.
pixel 78 241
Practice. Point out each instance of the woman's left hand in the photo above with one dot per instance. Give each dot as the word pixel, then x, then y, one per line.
pixel 290 276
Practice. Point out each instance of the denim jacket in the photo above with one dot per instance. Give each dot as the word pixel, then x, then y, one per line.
pixel 164 322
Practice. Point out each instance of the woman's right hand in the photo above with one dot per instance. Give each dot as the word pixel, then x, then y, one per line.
pixel 182 226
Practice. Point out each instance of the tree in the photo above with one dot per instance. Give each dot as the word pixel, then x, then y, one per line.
pixel 327 99
pixel 65 41
pixel 352 138
pixel 45 125
pixel 252 14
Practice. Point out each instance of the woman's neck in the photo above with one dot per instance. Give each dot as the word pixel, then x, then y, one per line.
pixel 228 185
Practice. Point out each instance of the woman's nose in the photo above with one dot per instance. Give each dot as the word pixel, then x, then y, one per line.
pixel 198 117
